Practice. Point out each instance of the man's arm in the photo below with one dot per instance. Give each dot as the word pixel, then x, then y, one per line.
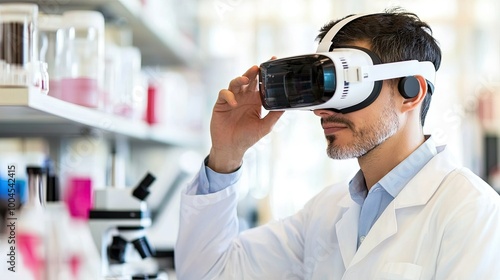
pixel 208 223
pixel 209 245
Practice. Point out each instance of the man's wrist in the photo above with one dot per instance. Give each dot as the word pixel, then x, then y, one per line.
pixel 223 164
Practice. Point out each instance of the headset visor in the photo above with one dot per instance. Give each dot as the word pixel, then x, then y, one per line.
pixel 297 82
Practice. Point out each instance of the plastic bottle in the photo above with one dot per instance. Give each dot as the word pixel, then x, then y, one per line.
pixel 30 235
pixel 50 36
pixel 83 65
pixel 19 33
pixel 19 65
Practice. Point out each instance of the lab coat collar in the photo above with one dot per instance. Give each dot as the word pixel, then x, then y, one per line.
pixel 421 188
pixel 417 192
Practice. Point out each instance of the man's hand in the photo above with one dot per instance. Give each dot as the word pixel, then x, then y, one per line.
pixel 237 123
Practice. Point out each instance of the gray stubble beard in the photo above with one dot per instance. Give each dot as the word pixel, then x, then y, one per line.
pixel 367 138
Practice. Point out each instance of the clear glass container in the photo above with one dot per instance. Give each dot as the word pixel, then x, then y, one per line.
pixel 18 33
pixel 50 39
pixel 19 65
pixel 129 99
pixel 36 197
pixel 83 54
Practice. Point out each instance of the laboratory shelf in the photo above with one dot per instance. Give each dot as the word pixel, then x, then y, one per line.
pixel 26 112
pixel 160 46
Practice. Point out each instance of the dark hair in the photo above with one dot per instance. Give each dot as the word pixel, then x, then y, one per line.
pixel 394 35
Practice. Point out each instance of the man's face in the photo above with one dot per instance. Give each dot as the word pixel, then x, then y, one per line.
pixel 355 134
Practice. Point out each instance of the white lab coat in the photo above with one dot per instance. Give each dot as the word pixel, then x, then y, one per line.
pixel 445 224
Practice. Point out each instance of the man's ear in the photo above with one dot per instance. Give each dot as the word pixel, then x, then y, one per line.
pixel 411 103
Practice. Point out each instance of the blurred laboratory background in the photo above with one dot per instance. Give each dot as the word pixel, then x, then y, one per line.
pixel 105 108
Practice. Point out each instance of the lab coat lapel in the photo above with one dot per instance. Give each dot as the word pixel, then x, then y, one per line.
pixel 417 192
pixel 385 227
pixel 347 229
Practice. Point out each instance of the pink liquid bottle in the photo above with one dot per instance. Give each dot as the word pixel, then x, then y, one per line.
pixel 83 66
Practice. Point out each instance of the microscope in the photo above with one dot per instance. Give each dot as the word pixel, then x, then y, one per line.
pixel 118 222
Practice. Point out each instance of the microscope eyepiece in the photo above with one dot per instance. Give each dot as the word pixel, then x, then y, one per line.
pixel 142 190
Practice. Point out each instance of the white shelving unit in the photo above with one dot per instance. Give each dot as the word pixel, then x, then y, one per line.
pixel 27 112
pixel 160 46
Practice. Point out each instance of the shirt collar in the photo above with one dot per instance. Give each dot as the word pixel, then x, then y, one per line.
pixel 394 181
pixel 357 188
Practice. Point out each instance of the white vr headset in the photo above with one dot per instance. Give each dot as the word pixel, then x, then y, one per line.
pixel 344 79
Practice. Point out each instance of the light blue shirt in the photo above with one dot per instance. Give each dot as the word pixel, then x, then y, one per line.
pixel 212 182
pixel 374 202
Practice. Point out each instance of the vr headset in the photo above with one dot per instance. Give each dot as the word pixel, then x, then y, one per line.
pixel 343 79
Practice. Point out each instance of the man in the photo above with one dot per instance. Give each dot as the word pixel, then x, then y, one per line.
pixel 409 213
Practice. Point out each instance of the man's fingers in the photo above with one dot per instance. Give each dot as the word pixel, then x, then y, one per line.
pixel 226 96
pixel 252 75
pixel 248 79
pixel 252 71
pixel 253 84
pixel 271 118
pixel 236 84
